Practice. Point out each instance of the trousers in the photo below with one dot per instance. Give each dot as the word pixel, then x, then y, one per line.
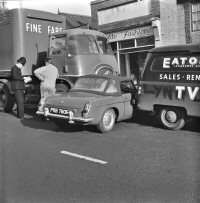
pixel 19 97
pixel 45 92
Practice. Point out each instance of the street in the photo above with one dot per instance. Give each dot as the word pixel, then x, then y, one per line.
pixel 137 161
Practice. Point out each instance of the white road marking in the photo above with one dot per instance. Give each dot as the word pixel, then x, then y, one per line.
pixel 83 157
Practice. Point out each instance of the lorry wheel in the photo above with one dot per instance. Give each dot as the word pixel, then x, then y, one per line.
pixel 61 88
pixel 104 69
pixel 107 121
pixel 172 118
pixel 7 99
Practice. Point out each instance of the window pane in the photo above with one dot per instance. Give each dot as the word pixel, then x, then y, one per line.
pixel 145 41
pixel 57 45
pixel 196 17
pixel 127 44
pixel 104 46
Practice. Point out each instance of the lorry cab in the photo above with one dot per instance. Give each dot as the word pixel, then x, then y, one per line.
pixel 170 84
pixel 78 52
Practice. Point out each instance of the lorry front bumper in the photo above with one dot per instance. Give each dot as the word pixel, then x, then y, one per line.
pixel 71 118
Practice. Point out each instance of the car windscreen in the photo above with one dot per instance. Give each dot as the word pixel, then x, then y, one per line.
pixel 91 84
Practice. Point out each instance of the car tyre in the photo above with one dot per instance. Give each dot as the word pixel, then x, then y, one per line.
pixel 107 121
pixel 172 118
pixel 7 99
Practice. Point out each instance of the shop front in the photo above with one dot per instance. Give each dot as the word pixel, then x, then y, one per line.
pixel 130 48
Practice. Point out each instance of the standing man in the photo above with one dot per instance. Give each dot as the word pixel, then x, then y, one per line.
pixel 48 75
pixel 18 85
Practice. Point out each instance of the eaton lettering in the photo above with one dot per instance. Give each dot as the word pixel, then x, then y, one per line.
pixel 181 62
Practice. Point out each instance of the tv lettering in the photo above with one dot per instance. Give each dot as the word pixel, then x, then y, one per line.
pixel 180 92
pixel 192 92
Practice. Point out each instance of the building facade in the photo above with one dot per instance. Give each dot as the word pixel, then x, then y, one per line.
pixel 133 27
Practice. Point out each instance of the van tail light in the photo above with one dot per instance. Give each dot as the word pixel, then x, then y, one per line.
pixel 86 107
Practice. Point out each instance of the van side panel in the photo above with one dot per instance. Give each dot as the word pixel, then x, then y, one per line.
pixel 170 94
pixel 172 78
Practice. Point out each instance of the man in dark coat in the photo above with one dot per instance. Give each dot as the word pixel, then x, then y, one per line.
pixel 18 85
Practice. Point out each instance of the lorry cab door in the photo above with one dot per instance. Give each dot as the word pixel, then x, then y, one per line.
pixel 58 51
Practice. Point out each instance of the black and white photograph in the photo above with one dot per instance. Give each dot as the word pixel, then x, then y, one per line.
pixel 99 101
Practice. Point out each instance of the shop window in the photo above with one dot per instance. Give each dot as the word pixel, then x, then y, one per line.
pixel 145 41
pixel 196 17
pixel 123 71
pixel 127 44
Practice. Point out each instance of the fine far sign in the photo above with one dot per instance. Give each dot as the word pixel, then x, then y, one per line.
pixel 38 28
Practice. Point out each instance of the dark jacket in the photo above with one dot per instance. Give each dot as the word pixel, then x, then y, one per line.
pixel 17 79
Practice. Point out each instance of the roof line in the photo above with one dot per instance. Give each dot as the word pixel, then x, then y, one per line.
pixel 74 14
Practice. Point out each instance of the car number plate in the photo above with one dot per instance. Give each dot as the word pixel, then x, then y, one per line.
pixel 59 111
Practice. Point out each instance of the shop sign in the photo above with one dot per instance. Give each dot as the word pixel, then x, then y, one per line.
pixel 130 34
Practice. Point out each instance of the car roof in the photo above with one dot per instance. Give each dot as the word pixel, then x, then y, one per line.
pixel 78 31
pixel 115 77
pixel 175 48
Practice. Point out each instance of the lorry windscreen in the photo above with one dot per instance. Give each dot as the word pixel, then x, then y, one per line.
pixel 82 45
pixel 57 45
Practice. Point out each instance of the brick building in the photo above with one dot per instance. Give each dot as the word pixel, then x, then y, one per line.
pixel 133 27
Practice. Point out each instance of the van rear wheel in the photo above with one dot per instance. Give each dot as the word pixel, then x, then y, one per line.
pixel 172 118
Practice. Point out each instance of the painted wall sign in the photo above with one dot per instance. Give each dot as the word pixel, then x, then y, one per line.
pixel 130 34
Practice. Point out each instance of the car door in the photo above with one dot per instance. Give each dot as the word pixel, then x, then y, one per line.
pixel 126 90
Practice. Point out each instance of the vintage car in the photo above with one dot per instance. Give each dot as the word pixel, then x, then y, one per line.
pixel 99 100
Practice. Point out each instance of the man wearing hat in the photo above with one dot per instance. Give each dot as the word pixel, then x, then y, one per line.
pixel 18 85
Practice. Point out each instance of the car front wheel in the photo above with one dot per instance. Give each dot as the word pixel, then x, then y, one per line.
pixel 107 121
pixel 172 118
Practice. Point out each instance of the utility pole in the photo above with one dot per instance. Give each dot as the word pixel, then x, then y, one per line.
pixel 20 3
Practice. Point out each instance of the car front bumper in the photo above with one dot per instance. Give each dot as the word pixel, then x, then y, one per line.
pixel 71 118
